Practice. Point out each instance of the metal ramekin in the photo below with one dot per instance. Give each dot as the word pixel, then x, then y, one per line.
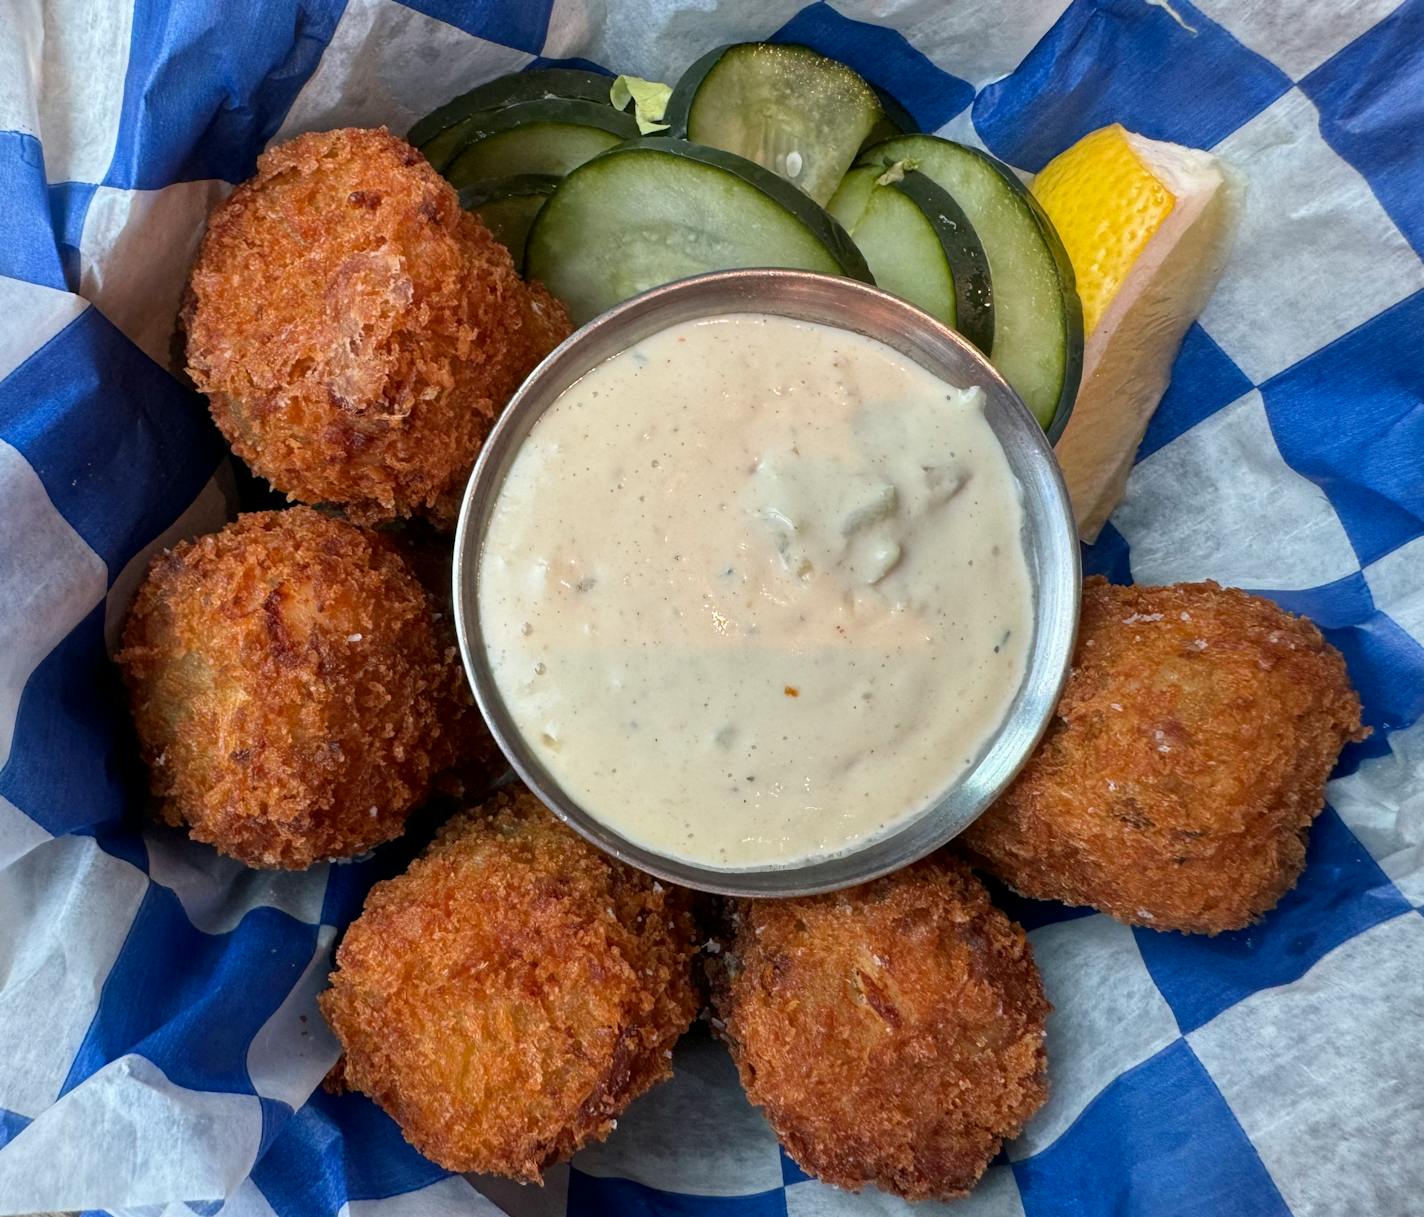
pixel 1049 538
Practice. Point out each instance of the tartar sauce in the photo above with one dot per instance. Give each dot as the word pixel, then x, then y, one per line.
pixel 754 589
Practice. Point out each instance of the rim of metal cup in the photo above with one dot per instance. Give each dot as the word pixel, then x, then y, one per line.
pixel 1049 537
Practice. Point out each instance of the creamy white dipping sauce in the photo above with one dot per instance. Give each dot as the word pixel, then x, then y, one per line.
pixel 754 589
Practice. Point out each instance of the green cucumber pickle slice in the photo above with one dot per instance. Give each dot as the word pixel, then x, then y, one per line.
pixel 852 197
pixel 1038 320
pixel 540 148
pixel 508 207
pixel 457 140
pixel 506 90
pixel 894 120
pixel 973 291
pixel 654 210
pixel 787 108
pixel 442 148
pixel 900 243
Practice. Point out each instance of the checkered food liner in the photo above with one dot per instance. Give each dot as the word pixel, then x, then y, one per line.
pixel 160 1049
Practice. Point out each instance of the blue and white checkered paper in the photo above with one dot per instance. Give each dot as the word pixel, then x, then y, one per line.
pixel 160 1050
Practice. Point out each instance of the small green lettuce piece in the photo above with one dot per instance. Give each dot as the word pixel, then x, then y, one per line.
pixel 896 172
pixel 649 98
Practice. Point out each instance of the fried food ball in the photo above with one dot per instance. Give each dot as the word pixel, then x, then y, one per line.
pixel 510 994
pixel 291 687
pixel 893 1032
pixel 1177 783
pixel 357 332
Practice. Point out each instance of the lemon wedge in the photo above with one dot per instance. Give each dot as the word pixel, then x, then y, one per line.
pixel 1147 226
pixel 1107 205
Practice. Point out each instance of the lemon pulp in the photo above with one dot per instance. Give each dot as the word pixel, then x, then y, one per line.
pixel 1106 205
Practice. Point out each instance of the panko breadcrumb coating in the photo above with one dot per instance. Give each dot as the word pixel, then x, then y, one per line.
pixel 893 1032
pixel 478 763
pixel 357 332
pixel 291 687
pixel 510 994
pixel 1178 781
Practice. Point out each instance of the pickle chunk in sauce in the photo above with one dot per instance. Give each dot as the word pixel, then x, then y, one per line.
pixel 754 589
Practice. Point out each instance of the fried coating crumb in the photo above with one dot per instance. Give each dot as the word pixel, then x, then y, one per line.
pixel 290 687
pixel 893 1032
pixel 479 764
pixel 1178 782
pixel 357 332
pixel 510 994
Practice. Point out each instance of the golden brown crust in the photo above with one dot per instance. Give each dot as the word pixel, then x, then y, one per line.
pixel 290 686
pixel 893 1032
pixel 355 330
pixel 510 994
pixel 478 763
pixel 1177 784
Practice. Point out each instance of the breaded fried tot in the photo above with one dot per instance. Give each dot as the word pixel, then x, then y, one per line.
pixel 510 994
pixel 1178 781
pixel 355 331
pixel 893 1032
pixel 293 692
